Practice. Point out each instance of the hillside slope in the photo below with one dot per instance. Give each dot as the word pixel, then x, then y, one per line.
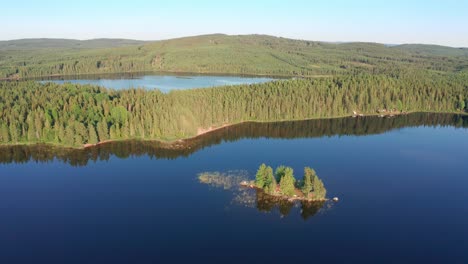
pixel 44 43
pixel 244 54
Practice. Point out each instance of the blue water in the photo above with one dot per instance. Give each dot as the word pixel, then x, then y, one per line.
pixel 403 199
pixel 165 83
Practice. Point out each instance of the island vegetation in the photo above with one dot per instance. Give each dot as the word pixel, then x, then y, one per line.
pixel 282 183
pixel 236 181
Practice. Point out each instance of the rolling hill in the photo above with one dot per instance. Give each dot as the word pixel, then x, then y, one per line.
pixel 224 54
pixel 44 43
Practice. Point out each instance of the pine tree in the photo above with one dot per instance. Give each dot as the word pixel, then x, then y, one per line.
pixel 279 172
pixel 319 190
pixel 307 181
pixel 287 182
pixel 102 130
pixel 69 135
pixel 270 181
pixel 92 138
pixel 4 134
pixel 260 176
pixel 15 132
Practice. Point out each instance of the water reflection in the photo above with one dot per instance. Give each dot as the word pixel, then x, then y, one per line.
pixel 285 130
pixel 255 198
pixel 267 203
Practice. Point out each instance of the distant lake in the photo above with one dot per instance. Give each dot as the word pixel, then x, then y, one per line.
pixel 402 184
pixel 165 83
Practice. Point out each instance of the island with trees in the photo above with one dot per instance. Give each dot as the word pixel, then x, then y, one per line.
pixel 283 184
pixel 309 194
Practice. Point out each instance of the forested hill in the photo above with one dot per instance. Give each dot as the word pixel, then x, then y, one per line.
pixel 433 50
pixel 244 54
pixel 45 43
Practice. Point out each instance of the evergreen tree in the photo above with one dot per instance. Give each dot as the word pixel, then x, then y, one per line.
pixel 70 135
pixel 319 190
pixel 287 182
pixel 92 138
pixel 270 181
pixel 102 130
pixel 14 132
pixel 307 181
pixel 4 133
pixel 461 103
pixel 260 177
pixel 279 172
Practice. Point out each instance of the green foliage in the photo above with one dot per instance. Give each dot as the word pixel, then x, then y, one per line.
pixel 461 103
pixel 279 172
pixel 248 54
pixel 270 181
pixel 307 185
pixel 93 138
pixel 260 177
pixel 285 130
pixel 65 114
pixel 313 185
pixel 4 133
pixel 287 182
pixel 400 105
pixel 119 115
pixel 102 130
pixel 319 191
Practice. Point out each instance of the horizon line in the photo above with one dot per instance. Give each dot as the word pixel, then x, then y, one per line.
pixel 224 34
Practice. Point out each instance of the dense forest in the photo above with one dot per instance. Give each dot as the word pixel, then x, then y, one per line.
pixel 74 115
pixel 291 129
pixel 245 54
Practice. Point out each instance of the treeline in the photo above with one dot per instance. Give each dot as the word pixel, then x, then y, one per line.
pixel 73 115
pixel 290 130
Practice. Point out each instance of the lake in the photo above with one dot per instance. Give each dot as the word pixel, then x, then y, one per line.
pixel 402 184
pixel 163 82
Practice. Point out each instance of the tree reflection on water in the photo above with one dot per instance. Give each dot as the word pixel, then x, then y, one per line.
pixel 256 198
pixel 184 148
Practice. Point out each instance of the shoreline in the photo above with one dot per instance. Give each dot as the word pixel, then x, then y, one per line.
pixel 277 76
pixel 188 73
pixel 251 185
pixel 202 131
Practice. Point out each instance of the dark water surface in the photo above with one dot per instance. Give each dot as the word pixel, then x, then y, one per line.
pixel 402 184
pixel 163 82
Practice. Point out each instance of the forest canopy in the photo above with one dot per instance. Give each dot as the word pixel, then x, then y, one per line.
pixel 74 115
pixel 217 53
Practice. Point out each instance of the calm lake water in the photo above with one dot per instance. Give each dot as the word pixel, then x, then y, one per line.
pixel 402 184
pixel 165 83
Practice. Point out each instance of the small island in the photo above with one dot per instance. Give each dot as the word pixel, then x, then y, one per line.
pixel 284 185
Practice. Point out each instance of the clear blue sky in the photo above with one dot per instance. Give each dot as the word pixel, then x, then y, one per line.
pixel 442 22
